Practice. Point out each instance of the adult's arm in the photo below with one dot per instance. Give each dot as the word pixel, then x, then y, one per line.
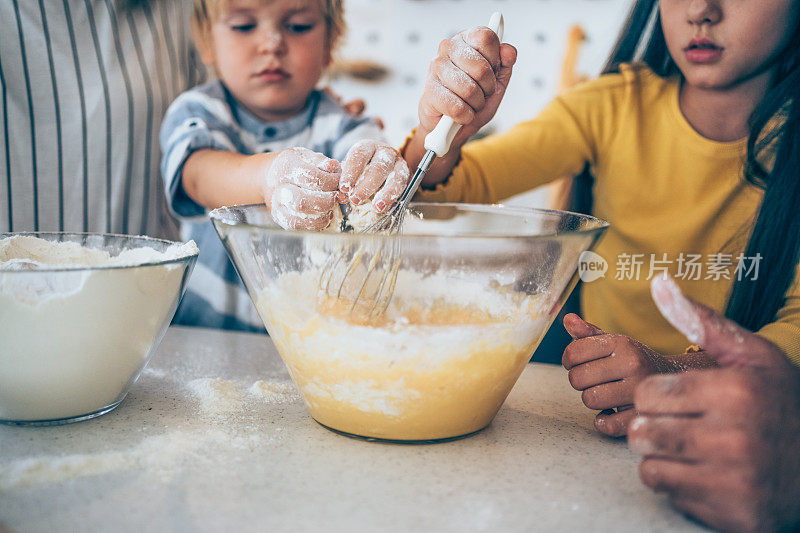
pixel 722 443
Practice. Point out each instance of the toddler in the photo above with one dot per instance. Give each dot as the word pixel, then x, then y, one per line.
pixel 263 133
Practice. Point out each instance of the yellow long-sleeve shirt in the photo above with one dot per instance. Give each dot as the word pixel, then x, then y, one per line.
pixel 664 188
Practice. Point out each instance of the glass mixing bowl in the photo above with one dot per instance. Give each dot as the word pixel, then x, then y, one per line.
pixel 477 286
pixel 74 339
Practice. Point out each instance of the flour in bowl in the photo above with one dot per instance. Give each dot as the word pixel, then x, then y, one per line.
pixel 78 324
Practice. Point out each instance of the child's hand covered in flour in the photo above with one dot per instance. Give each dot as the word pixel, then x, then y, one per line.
pixel 607 368
pixel 301 189
pixel 466 81
pixel 373 169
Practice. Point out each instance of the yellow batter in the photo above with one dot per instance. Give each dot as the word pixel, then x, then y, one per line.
pixel 438 364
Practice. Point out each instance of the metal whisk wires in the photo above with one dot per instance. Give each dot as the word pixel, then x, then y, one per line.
pixel 379 254
pixel 383 250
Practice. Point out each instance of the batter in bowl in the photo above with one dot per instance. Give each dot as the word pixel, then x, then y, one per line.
pixel 438 364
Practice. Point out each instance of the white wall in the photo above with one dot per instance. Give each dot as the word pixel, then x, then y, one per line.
pixel 403 35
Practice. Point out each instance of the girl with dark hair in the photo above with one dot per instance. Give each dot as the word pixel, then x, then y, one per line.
pixel 692 135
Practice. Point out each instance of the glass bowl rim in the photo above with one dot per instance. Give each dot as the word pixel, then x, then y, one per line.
pixel 602 225
pixel 79 268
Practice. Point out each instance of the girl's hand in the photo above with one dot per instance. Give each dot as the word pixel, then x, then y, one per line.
pixel 467 80
pixel 373 168
pixel 607 369
pixel 302 189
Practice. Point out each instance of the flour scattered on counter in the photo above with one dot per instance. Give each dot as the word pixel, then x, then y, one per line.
pixel 217 396
pixel 220 397
pixel 161 457
pixel 274 391
pixel 37 470
pixel 159 453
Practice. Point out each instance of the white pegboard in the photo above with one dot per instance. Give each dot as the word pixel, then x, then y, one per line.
pixel 403 35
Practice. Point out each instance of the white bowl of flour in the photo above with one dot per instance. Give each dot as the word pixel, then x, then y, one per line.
pixel 80 316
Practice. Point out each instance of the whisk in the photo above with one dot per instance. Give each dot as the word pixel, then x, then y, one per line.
pixel 386 257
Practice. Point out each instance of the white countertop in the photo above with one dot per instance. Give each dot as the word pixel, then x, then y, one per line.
pixel 185 453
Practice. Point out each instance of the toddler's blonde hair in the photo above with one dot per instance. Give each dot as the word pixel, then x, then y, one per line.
pixel 205 12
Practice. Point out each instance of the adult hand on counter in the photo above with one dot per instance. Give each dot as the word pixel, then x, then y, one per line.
pixel 722 443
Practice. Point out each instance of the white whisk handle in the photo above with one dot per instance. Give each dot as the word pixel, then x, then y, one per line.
pixel 440 139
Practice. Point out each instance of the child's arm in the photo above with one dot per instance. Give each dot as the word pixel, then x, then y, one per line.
pixel 300 187
pixel 466 81
pixel 203 168
pixel 214 178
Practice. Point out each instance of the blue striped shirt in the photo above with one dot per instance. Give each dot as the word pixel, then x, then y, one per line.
pixel 208 117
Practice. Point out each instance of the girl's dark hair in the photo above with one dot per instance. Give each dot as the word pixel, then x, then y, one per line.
pixel 776 234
